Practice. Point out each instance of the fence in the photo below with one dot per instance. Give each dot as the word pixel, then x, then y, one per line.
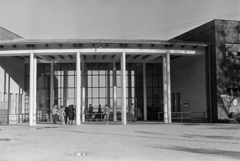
pixel 184 116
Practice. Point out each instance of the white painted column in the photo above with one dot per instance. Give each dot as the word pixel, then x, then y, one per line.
pixel 168 87
pixel 123 72
pixel 114 92
pixel 78 88
pixel 165 90
pixel 83 90
pixel 31 93
pixel 51 88
pixel 35 91
pixel 144 92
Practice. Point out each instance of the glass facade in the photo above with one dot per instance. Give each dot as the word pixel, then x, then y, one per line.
pixel 154 90
pixel 98 78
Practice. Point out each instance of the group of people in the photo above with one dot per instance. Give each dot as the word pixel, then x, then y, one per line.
pixel 65 115
pixel 88 112
pixel 68 114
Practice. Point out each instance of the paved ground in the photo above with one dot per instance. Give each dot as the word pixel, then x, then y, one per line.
pixel 139 141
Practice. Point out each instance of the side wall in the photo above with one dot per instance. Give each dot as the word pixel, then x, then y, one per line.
pixel 206 33
pixel 12 72
pixel 188 79
pixel 228 65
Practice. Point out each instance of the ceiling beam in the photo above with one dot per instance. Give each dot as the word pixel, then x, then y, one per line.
pixel 136 56
pixel 150 58
pixel 144 57
pixel 44 58
pixel 117 57
pixel 51 56
pixel 20 57
pixel 61 56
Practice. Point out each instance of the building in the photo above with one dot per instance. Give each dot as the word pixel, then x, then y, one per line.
pixel 222 65
pixel 175 79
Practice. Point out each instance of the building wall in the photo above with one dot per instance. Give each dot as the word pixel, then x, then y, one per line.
pixel 223 75
pixel 188 79
pixel 226 32
pixel 12 84
pixel 206 33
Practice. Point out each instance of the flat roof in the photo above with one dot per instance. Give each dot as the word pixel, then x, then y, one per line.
pixel 100 41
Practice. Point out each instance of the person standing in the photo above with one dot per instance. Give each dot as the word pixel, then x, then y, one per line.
pixel 54 114
pixel 90 111
pixel 61 114
pixel 107 111
pixel 70 114
pixel 132 112
pixel 86 113
pixel 66 115
pixel 99 113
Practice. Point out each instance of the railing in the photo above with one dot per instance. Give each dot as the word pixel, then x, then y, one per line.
pixel 22 118
pixel 184 116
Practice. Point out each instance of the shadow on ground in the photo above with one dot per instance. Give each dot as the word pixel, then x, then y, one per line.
pixel 221 153
pixel 148 137
pixel 212 137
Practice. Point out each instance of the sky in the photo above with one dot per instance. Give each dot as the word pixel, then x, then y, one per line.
pixel 111 19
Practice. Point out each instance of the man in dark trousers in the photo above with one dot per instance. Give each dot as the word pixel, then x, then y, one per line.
pixel 90 111
pixel 66 115
pixel 70 114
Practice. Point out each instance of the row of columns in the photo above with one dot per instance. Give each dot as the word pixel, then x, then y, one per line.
pixel 79 103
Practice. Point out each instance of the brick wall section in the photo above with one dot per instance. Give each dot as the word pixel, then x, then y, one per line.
pixel 206 33
pixel 225 32
pixel 6 35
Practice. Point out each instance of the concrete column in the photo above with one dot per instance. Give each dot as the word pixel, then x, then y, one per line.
pixel 78 88
pixel 168 87
pixel 35 91
pixel 51 88
pixel 31 90
pixel 165 90
pixel 83 90
pixel 114 92
pixel 123 72
pixel 144 92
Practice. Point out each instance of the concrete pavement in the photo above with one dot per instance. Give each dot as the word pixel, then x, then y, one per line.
pixel 138 141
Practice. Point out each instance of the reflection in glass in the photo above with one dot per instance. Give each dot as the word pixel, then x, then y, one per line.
pixel 119 92
pixel 155 81
pixel 70 81
pixel 103 103
pixel 95 81
pixel 95 92
pixel 119 81
pixel 102 92
pixel 95 103
pixel 70 92
pixel 132 81
pixel 102 81
pixel 89 92
pixel 89 81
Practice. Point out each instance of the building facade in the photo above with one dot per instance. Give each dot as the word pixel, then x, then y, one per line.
pixel 223 64
pixel 186 77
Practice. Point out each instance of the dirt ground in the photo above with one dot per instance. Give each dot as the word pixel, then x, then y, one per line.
pixel 137 141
